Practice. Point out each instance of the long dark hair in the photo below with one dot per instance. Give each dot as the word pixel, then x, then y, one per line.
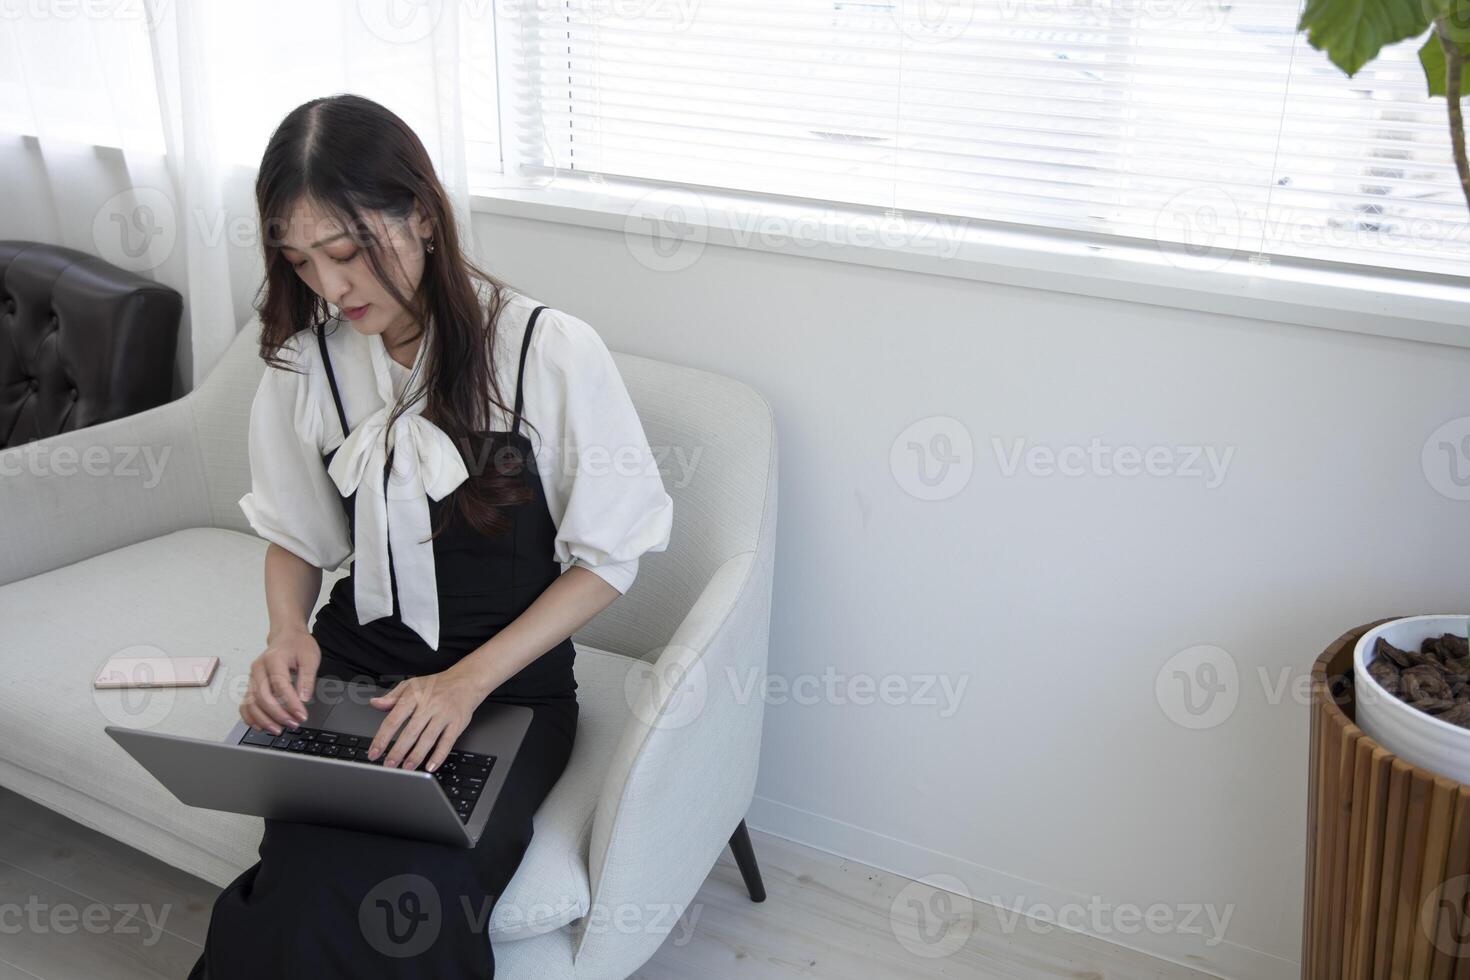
pixel 348 155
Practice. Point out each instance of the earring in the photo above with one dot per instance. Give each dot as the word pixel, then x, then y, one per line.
pixel 429 245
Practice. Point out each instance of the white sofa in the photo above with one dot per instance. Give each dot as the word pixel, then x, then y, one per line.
pixel 129 534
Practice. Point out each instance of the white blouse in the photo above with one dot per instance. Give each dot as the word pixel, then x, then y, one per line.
pixel 602 484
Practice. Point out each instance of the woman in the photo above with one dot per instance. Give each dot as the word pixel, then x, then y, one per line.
pixel 386 433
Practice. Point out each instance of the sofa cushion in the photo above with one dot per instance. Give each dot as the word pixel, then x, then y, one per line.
pixel 200 592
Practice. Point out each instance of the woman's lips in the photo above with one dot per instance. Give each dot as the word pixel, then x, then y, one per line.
pixel 355 313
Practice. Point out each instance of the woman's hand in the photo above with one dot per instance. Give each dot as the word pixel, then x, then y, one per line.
pixel 433 710
pixel 271 701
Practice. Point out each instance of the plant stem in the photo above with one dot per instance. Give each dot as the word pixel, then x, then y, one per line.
pixel 1453 61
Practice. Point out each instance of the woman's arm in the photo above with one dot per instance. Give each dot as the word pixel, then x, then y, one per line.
pixel 434 710
pixel 291 587
pixel 567 605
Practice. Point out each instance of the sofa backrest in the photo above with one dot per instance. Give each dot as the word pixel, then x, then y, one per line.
pixel 713 437
pixel 220 407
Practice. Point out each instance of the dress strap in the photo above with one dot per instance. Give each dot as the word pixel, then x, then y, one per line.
pixel 321 339
pixel 521 370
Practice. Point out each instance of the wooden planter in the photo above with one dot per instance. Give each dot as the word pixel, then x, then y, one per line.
pixel 1388 849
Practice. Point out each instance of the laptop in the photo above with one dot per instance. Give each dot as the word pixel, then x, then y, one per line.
pixel 318 771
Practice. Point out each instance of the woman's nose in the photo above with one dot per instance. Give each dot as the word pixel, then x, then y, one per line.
pixel 336 287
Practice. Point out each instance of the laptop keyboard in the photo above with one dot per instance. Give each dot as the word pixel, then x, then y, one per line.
pixel 461 776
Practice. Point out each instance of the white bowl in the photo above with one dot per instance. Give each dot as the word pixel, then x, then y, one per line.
pixel 1407 732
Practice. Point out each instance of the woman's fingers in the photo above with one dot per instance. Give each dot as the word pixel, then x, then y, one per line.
pixel 285 692
pixel 431 735
pixel 402 708
pixel 306 676
pixel 265 702
pixel 386 701
pixel 408 738
pixel 448 735
pixel 251 714
pixel 427 722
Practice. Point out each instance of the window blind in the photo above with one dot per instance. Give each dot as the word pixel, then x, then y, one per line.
pixel 1208 126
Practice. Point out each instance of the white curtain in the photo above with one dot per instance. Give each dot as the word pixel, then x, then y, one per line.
pixel 134 132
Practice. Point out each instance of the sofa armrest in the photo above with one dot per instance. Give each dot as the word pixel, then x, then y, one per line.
pixel 88 491
pixel 684 772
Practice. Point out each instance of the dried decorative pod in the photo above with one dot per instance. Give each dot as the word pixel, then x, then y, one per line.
pixel 1458 715
pixel 1386 673
pixel 1432 706
pixel 1386 650
pixel 1425 681
pixel 1434 679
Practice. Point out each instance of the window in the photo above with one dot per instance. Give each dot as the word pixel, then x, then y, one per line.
pixel 1189 122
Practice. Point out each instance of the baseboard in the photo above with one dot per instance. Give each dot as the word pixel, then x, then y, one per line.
pixel 1224 959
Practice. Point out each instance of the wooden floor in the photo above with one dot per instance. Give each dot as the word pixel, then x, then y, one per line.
pixel 823 917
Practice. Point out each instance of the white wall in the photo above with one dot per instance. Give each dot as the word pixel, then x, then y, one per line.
pixel 1056 600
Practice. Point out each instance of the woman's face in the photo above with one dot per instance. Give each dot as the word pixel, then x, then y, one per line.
pixel 336 269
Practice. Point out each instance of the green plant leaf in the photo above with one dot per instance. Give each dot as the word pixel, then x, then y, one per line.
pixel 1431 56
pixel 1352 32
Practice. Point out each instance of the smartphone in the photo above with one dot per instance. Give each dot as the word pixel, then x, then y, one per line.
pixel 156 672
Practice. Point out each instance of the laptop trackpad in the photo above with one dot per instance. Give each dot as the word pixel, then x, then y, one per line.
pixel 352 718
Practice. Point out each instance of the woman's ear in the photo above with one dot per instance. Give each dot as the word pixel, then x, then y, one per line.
pixel 422 226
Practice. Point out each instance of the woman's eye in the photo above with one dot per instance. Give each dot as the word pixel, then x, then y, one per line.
pixel 343 261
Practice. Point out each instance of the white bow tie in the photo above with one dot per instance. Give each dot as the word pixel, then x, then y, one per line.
pixel 425 464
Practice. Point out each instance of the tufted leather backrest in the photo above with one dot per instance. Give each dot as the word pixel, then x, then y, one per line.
pixel 82 341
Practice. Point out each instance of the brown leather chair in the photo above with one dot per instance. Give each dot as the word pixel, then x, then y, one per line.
pixel 82 341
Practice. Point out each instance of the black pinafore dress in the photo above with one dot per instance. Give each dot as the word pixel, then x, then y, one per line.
pixel 326 902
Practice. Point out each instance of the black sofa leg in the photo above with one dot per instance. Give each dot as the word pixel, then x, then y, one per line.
pixel 745 860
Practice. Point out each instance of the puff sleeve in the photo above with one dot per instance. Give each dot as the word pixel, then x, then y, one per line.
pixel 602 483
pixel 292 501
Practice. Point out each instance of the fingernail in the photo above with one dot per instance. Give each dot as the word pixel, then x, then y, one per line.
pixel 431 766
